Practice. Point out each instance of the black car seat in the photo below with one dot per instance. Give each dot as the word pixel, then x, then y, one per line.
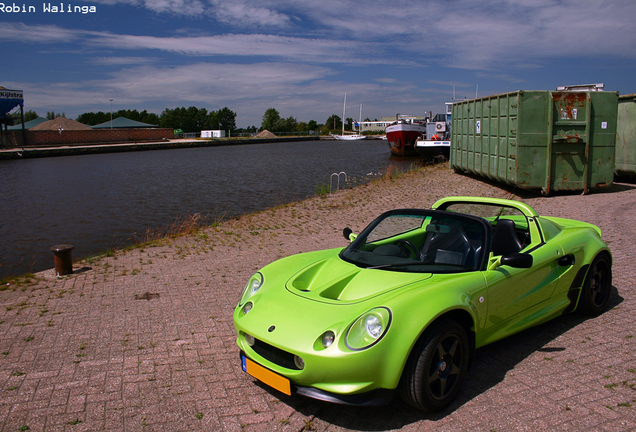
pixel 504 239
pixel 447 248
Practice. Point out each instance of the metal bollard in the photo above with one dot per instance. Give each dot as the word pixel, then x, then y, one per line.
pixel 63 259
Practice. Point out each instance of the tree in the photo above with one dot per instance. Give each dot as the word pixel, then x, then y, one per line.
pixel 291 124
pixel 301 127
pixel 226 118
pixel 189 120
pixel 92 119
pixel 50 115
pixel 285 125
pixel 312 125
pixel 270 118
pixel 249 129
pixel 28 116
pixel 195 119
pixel 333 122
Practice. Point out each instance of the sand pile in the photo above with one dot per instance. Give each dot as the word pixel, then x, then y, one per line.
pixel 63 122
pixel 266 134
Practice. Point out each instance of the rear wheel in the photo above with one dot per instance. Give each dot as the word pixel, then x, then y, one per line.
pixel 597 286
pixel 436 368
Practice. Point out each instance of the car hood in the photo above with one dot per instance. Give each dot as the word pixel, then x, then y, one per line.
pixel 333 280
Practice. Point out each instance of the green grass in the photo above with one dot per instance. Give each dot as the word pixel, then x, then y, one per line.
pixel 13 282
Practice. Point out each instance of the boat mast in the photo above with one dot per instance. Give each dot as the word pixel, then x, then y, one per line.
pixel 344 108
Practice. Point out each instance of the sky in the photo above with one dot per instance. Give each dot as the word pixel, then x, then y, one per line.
pixel 301 56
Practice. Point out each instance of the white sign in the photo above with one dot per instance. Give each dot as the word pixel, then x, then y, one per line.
pixel 478 127
pixel 603 125
pixel 11 94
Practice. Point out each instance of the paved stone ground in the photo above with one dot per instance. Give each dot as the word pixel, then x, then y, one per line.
pixel 143 340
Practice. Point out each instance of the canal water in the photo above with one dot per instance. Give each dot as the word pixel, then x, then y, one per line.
pixel 104 201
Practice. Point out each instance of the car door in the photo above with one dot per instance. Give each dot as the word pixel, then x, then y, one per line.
pixel 513 293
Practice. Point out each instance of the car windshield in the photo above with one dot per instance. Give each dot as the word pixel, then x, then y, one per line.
pixel 423 241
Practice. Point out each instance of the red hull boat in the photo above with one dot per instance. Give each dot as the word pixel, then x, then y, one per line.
pixel 402 136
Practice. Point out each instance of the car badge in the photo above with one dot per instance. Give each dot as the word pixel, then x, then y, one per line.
pixel 271 329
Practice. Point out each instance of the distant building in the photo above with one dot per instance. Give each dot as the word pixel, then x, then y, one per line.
pixel 29 124
pixel 212 134
pixel 123 122
pixel 380 126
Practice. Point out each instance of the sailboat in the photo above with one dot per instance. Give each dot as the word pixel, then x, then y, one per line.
pixel 351 136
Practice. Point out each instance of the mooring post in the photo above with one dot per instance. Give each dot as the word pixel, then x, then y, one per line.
pixel 62 256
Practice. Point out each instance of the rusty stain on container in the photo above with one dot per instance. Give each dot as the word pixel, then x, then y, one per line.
pixel 63 259
pixel 569 103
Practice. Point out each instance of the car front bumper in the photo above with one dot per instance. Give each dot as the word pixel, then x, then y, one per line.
pixel 376 397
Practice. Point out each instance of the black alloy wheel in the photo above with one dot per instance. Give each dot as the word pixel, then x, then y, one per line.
pixel 436 368
pixel 597 286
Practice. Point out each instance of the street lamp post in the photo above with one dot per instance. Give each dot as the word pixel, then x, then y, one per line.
pixel 111 113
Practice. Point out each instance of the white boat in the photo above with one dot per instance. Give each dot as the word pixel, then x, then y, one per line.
pixel 428 149
pixel 352 136
pixel 437 141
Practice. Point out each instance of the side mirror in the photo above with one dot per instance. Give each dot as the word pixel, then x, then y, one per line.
pixel 348 234
pixel 517 260
pixel 566 261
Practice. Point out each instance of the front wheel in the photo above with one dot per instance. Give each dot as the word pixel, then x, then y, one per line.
pixel 436 368
pixel 597 286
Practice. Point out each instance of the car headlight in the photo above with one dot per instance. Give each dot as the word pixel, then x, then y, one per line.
pixel 252 286
pixel 368 329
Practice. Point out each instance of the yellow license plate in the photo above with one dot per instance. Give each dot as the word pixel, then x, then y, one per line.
pixel 268 377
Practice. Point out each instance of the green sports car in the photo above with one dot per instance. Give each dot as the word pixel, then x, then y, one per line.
pixel 404 306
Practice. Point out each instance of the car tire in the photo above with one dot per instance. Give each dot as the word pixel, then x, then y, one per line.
pixel 436 367
pixel 597 286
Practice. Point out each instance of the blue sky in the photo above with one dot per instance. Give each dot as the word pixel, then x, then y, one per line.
pixel 300 57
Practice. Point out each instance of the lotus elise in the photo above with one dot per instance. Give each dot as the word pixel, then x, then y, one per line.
pixel 402 309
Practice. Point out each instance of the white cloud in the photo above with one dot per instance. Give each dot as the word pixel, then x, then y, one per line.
pixel 241 14
pixel 463 34
pixel 467 34
pixel 267 45
pixel 123 60
pixel 474 34
pixel 36 33
pixel 177 7
pixel 174 7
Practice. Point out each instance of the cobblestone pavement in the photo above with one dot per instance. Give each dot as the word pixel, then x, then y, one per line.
pixel 142 340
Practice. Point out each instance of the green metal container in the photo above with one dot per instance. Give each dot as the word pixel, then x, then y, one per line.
pixel 626 135
pixel 547 140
